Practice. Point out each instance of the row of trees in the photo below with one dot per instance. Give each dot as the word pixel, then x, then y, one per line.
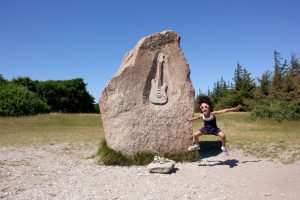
pixel 23 96
pixel 264 95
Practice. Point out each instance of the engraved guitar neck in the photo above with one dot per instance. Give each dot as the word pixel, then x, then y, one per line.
pixel 159 71
pixel 158 93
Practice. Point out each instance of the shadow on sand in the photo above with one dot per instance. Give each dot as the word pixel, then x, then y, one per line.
pixel 210 149
pixel 230 162
pixel 213 148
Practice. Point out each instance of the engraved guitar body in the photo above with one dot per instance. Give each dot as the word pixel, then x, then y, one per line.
pixel 158 92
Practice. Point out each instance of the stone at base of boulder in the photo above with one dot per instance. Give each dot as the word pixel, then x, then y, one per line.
pixel 161 165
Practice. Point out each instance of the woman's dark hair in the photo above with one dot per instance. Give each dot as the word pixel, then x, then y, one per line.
pixel 206 99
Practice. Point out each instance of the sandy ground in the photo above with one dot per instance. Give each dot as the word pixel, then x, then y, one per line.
pixel 64 171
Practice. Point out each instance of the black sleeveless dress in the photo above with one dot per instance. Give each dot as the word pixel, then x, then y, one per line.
pixel 210 125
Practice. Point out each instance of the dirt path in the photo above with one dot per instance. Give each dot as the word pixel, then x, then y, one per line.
pixel 64 171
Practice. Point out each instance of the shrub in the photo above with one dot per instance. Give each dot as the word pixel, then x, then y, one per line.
pixel 278 111
pixel 17 100
pixel 262 112
pixel 70 96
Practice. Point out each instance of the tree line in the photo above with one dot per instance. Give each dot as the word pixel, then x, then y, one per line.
pixel 274 95
pixel 23 96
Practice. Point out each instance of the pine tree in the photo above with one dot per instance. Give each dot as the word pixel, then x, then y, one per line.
pixel 294 65
pixel 220 90
pixel 237 79
pixel 265 83
pixel 277 71
pixel 243 82
pixel 2 80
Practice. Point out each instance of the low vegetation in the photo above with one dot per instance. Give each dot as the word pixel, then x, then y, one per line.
pixel 277 111
pixel 17 100
pixel 23 96
pixel 109 156
pixel 260 138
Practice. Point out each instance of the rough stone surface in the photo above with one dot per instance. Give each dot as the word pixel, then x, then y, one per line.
pixel 132 123
pixel 161 165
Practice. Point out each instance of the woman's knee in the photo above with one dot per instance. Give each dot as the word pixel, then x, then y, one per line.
pixel 197 133
pixel 222 134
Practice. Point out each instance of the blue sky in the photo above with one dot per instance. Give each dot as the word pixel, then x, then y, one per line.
pixel 65 39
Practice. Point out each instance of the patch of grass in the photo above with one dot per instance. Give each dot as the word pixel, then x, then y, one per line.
pixel 50 128
pixel 108 156
pixel 261 138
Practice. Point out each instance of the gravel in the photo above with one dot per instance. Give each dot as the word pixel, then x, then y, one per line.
pixel 67 171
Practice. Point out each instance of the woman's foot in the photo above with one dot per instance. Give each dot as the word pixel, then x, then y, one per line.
pixel 194 147
pixel 225 151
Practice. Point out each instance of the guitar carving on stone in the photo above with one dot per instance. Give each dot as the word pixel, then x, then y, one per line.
pixel 158 92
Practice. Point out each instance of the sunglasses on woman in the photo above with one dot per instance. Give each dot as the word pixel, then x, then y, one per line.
pixel 202 107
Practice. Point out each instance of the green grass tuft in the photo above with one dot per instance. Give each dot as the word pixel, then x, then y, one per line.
pixel 109 156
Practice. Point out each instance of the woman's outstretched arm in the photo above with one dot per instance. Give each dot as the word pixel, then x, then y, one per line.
pixel 227 110
pixel 194 118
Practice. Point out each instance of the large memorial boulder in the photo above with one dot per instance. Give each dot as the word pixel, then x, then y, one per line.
pixel 145 106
